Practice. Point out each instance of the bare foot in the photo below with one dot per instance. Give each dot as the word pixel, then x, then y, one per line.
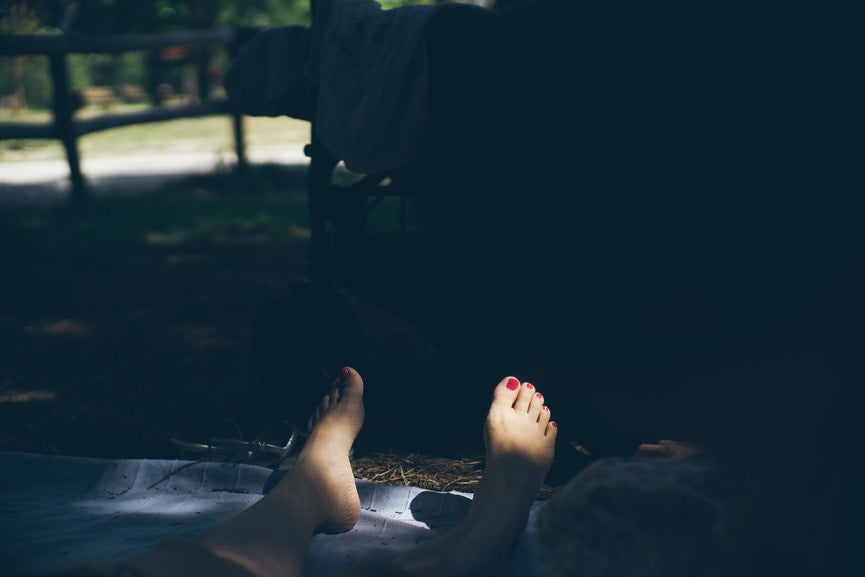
pixel 520 439
pixel 323 464
pixel 520 442
pixel 272 536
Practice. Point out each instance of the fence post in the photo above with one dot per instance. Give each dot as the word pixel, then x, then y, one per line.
pixel 239 37
pixel 239 145
pixel 63 123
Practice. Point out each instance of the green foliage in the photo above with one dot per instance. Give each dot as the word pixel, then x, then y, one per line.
pixel 388 4
pixel 113 70
pixel 142 16
pixel 264 13
pixel 23 84
pixel 34 83
pixel 26 78
pixel 124 16
pixel 18 18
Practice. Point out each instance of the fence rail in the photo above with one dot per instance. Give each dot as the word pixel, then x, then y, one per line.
pixel 67 129
pixel 22 45
pixel 10 130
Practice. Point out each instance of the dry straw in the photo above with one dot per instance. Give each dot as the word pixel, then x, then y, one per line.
pixel 433 473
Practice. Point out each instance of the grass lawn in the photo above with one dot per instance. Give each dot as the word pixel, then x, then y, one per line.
pixel 207 134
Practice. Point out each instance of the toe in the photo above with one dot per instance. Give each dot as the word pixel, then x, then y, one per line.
pixel 551 431
pixel 544 417
pixel 350 384
pixel 537 401
pixel 506 393
pixel 524 398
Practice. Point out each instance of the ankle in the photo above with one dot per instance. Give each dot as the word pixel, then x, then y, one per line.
pixel 300 488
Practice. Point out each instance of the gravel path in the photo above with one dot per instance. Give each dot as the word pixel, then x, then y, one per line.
pixel 44 180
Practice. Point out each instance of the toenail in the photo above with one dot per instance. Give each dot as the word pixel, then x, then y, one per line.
pixel 546 408
pixel 553 423
pixel 344 373
pixel 530 386
pixel 538 395
pixel 513 384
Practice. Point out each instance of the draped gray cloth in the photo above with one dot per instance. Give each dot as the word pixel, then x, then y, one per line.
pixel 360 74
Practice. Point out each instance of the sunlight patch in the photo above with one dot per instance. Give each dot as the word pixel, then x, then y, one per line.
pixel 144 503
pixel 21 397
pixel 59 328
pixel 299 232
pixel 243 239
pixel 172 238
pixel 182 259
pixel 204 337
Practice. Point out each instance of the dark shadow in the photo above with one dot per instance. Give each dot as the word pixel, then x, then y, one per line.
pixel 128 319
pixel 440 511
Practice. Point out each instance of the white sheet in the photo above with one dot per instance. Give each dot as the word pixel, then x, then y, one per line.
pixel 57 512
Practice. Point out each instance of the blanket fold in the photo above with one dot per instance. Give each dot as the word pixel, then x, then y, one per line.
pixel 58 512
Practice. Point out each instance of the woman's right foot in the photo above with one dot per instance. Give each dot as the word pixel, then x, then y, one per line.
pixel 520 441
pixel 520 444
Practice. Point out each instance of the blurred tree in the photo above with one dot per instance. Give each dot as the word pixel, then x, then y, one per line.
pixel 147 16
pixel 142 16
pixel 19 18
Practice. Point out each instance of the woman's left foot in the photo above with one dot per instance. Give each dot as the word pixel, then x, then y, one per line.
pixel 323 465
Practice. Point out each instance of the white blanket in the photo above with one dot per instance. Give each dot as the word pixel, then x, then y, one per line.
pixel 58 512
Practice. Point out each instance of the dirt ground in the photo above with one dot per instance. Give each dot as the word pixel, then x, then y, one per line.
pixel 118 333
pixel 139 318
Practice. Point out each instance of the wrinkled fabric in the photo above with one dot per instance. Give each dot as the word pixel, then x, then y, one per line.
pixel 59 512
pixel 267 76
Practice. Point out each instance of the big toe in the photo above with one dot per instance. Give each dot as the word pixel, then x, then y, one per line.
pixel 506 392
pixel 350 385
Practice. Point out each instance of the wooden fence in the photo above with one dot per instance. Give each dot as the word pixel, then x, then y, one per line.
pixel 67 129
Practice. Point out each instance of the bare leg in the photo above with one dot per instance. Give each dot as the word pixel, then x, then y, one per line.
pixel 520 441
pixel 272 537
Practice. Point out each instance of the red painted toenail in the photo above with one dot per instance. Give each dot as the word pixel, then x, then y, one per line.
pixel 553 423
pixel 343 374
pixel 513 384
pixel 538 395
pixel 530 386
pixel 546 408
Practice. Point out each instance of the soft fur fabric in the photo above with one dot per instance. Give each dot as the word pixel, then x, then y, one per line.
pixel 638 517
